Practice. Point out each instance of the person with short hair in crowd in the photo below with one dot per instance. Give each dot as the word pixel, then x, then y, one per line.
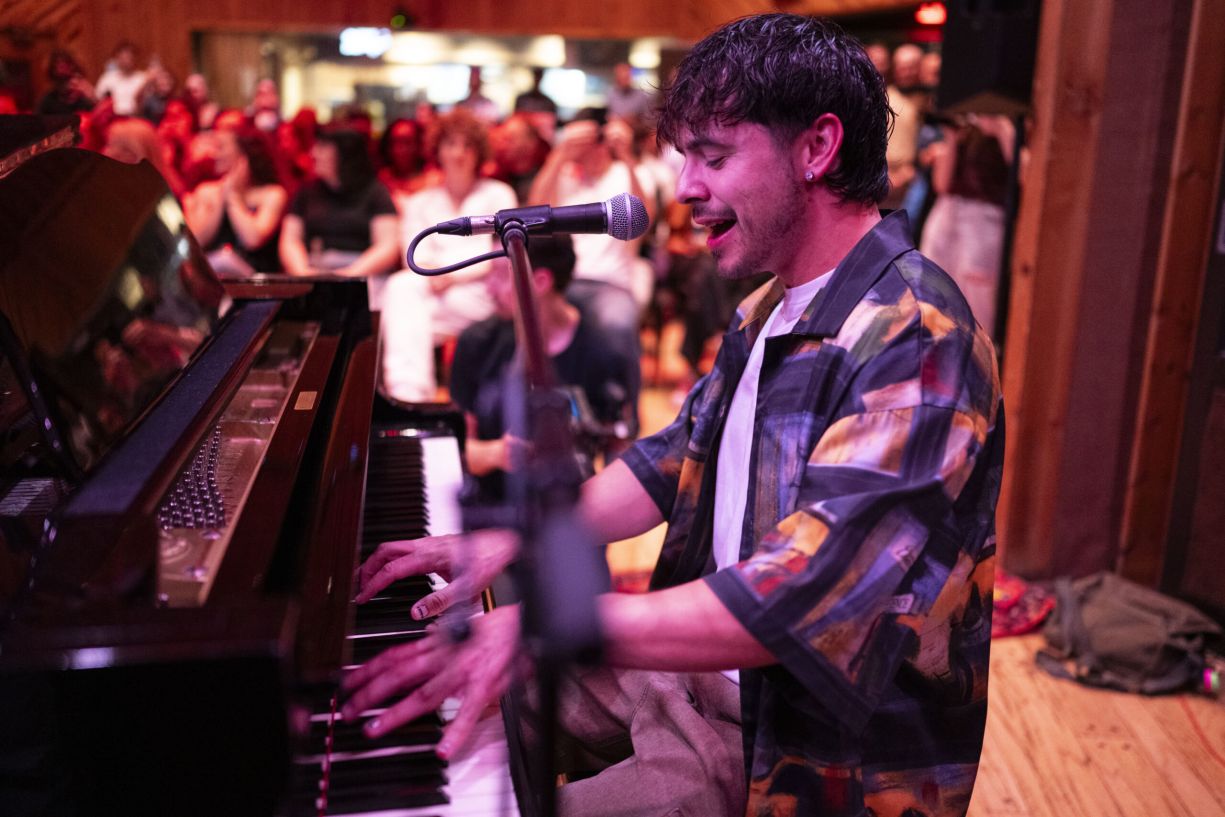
pixel 817 634
pixel 625 99
pixel 483 375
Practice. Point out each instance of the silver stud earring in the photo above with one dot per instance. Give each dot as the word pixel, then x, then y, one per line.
pixel 809 176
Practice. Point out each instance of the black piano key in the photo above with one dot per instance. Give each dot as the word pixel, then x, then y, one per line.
pixel 377 621
pixel 366 648
pixel 347 736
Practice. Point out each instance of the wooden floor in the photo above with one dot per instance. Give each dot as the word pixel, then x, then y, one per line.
pixel 1053 748
pixel 1056 749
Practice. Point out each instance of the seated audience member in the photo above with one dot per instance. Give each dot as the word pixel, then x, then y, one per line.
pixel 70 91
pixel 131 140
pixel 594 161
pixel 344 222
pixel 538 107
pixel 199 160
pixel 519 152
pixel 159 90
pixel 483 373
pixel 403 168
pixel 121 81
pixel 295 139
pixel 237 219
pixel 421 312
pixel 265 108
pixel 196 95
pixel 176 129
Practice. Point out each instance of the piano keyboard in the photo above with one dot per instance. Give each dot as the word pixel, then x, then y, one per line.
pixel 411 490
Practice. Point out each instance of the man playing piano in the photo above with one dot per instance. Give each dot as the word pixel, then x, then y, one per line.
pixel 829 490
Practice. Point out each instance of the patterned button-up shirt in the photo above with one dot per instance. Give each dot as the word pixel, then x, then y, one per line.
pixel 868 543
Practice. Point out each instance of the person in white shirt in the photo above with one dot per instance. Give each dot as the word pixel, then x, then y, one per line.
pixel 121 81
pixel 594 161
pixel 420 312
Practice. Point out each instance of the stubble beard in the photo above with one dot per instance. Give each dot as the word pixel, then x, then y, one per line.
pixel 775 235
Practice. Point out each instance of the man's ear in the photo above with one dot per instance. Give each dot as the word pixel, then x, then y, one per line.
pixel 820 146
pixel 542 280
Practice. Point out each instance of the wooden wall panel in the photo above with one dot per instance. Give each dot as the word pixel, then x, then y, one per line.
pixel 1178 299
pixel 164 27
pixel 1083 267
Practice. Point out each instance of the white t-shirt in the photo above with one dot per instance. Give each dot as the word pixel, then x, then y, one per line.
pixel 463 303
pixel 736 447
pixel 602 257
pixel 123 89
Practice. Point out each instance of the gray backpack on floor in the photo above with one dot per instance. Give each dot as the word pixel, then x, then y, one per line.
pixel 1117 634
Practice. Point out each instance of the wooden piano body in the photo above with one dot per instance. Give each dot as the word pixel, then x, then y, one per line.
pixel 177 555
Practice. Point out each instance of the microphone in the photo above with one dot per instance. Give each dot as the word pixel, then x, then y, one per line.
pixel 623 217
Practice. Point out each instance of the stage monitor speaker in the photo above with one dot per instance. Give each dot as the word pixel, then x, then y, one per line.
pixel 988 56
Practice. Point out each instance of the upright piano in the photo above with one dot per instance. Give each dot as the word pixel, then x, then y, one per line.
pixel 183 502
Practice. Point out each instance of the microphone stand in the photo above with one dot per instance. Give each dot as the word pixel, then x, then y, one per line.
pixel 561 570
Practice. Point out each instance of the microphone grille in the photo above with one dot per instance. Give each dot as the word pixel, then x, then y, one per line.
pixel 627 217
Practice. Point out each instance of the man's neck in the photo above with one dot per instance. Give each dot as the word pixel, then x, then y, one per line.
pixel 459 189
pixel 559 321
pixel 834 228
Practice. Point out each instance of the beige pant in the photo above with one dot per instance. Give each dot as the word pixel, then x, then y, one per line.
pixel 661 744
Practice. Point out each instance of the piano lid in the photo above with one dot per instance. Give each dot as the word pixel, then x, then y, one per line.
pixel 105 291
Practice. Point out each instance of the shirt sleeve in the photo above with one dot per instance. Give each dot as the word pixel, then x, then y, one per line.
pixel 380 201
pixel 841 590
pixel 656 461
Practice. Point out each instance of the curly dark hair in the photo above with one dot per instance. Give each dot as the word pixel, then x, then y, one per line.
pixel 783 71
pixel 462 123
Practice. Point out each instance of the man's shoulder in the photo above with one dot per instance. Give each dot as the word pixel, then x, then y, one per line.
pixel 914 328
pixel 479 335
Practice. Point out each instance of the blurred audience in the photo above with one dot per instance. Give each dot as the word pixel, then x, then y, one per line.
pixel 344 221
pixel 134 140
pixel 265 108
pixel 964 233
pixel 481 106
pixel 907 99
pixel 237 219
pixel 122 81
pixel 625 99
pixel 70 91
pixel 295 139
pixel 159 90
pixel 594 161
pixel 198 98
pixel 483 375
pixel 403 166
pixel 519 151
pixel 423 312
pixel 538 107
